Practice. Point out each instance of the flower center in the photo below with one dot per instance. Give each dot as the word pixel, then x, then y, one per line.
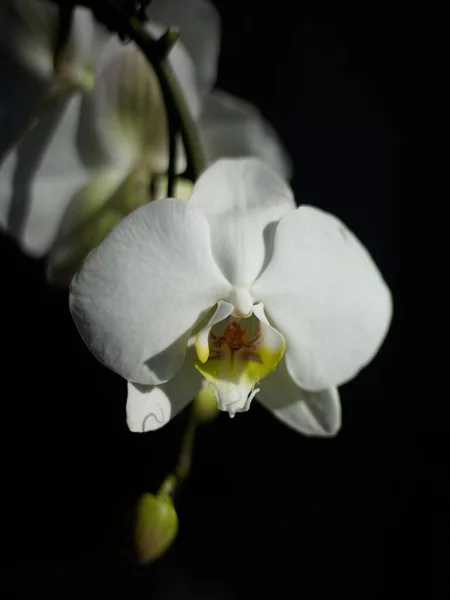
pixel 235 341
pixel 234 355
pixel 234 336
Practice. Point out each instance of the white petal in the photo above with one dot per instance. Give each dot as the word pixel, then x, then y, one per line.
pixel 310 413
pixel 77 60
pixel 124 119
pixel 232 127
pixel 323 291
pixel 88 39
pixel 140 292
pixel 199 24
pixel 222 312
pixel 27 34
pixel 92 212
pixel 28 31
pixel 38 179
pixel 242 200
pixel 151 407
pixel 124 116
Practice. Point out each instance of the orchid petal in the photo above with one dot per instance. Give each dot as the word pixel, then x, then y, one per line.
pixel 310 413
pixel 124 116
pixel 77 61
pixel 222 312
pixel 232 127
pixel 32 91
pixel 38 179
pixel 123 121
pixel 92 213
pixel 151 407
pixel 323 291
pixel 28 30
pixel 242 200
pixel 199 24
pixel 139 294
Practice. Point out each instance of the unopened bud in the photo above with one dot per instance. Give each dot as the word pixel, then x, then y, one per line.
pixel 156 527
pixel 205 404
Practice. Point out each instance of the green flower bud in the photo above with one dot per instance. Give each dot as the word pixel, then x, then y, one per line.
pixel 156 527
pixel 205 404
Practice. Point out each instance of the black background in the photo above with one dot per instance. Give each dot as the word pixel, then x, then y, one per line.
pixel 266 512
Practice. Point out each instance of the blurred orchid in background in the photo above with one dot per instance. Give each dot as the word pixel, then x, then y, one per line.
pixel 238 291
pixel 84 135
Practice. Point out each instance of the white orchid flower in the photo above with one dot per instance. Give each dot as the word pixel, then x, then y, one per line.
pixel 39 102
pixel 238 290
pixel 32 80
pixel 122 138
pixel 89 162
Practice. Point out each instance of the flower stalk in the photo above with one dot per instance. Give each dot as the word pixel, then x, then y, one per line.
pixel 178 115
pixel 172 482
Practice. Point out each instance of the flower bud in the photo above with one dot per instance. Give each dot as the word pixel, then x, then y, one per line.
pixel 205 404
pixel 156 527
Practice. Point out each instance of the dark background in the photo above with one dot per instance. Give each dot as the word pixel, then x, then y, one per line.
pixel 266 512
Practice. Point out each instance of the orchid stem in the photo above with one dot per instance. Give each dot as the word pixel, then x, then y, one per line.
pixel 181 472
pixel 177 109
pixel 184 464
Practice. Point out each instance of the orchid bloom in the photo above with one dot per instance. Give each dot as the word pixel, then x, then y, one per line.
pixel 82 154
pixel 238 291
pixel 33 78
pixel 89 162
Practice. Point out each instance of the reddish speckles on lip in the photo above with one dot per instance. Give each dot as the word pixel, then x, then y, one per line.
pixel 235 338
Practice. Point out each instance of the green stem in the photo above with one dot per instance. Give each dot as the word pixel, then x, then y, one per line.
pixel 184 464
pixel 176 106
pixel 181 472
pixel 172 131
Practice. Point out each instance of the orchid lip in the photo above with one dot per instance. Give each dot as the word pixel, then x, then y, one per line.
pixel 234 354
